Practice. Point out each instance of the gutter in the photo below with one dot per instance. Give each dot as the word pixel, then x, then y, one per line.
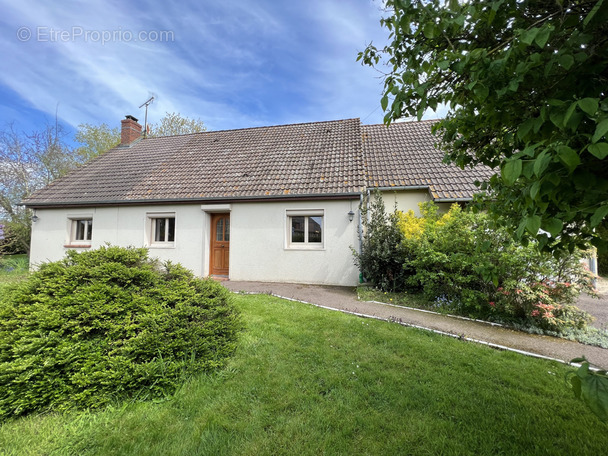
pixel 226 199
pixel 422 187
pixel 406 187
pixel 452 200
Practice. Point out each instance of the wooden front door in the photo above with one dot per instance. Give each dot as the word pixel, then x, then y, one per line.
pixel 220 244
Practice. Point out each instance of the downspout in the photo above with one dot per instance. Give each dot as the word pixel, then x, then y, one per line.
pixel 360 229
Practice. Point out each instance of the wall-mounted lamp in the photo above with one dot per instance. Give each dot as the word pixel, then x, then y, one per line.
pixel 35 218
pixel 351 215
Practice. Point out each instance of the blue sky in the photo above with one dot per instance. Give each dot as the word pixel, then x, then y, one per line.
pixel 233 64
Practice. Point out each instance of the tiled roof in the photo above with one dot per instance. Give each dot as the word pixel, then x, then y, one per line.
pixel 321 158
pixel 339 157
pixel 404 155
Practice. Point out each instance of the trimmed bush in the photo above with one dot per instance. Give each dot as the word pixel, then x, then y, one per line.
pixel 105 325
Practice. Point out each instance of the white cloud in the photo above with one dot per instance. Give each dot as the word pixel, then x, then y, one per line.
pixel 233 64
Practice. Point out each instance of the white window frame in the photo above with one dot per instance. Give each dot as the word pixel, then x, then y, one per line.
pixel 306 213
pixel 73 221
pixel 151 230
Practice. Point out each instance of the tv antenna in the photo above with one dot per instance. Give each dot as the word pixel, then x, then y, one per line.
pixel 146 104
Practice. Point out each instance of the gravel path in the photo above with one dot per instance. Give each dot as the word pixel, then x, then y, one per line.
pixel 345 299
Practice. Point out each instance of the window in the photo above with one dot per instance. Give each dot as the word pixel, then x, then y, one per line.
pixel 162 230
pixel 81 232
pixel 305 229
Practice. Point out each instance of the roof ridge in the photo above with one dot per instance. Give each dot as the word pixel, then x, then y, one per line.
pixel 257 128
pixel 409 122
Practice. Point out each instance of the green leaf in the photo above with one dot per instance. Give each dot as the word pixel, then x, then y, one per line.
pixel 592 13
pixel 460 20
pixel 589 105
pixel 566 61
pixel 542 37
pixel 553 226
pixel 443 65
pixel 534 189
pixel 429 30
pixel 600 130
pixel 569 112
pixel 481 91
pixel 568 157
pixel 593 391
pixel 599 215
pixel 519 232
pixel 525 127
pixel 527 169
pixel 528 36
pixel 600 150
pixel 384 102
pixel 511 171
pixel 533 224
pixel 541 163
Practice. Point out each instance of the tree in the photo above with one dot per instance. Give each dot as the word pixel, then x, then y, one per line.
pixel 27 163
pixel 525 83
pixel 175 124
pixel 95 140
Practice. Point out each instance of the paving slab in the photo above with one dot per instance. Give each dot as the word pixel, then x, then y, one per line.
pixel 345 299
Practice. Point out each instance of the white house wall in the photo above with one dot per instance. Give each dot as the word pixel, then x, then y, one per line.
pixel 258 249
pixel 123 226
pixel 409 199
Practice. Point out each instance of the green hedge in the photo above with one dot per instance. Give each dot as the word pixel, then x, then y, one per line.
pixel 105 325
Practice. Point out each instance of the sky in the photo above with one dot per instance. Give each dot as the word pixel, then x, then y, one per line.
pixel 230 63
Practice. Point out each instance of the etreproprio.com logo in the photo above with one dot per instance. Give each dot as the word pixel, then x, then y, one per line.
pixel 76 33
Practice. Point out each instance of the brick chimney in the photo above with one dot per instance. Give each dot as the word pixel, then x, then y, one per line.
pixel 130 131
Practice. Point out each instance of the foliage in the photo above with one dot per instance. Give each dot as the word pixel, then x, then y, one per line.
pixel 464 264
pixel 175 124
pixel 380 260
pixel 107 324
pixel 591 386
pixel 462 259
pixel 95 140
pixel 13 264
pixel 27 162
pixel 308 382
pixel 525 85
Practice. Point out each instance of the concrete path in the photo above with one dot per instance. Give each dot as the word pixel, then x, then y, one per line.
pixel 345 299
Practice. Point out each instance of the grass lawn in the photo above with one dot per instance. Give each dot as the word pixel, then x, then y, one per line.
pixel 12 269
pixel 309 381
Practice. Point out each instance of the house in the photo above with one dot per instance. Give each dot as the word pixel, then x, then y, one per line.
pixel 277 203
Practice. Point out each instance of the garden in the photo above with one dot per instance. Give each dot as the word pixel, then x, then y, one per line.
pixel 460 263
pixel 111 352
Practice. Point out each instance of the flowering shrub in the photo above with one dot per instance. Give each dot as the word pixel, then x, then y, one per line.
pixel 463 264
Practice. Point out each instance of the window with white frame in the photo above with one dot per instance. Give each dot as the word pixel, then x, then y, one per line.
pixel 305 229
pixel 161 230
pixel 81 231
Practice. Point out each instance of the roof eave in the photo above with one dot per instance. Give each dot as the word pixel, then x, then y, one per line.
pixel 226 199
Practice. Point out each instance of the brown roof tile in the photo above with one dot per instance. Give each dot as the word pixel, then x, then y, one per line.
pixel 320 158
pixel 313 158
pixel 404 155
